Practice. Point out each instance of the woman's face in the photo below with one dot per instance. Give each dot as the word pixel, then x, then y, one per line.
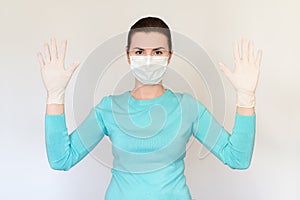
pixel 151 43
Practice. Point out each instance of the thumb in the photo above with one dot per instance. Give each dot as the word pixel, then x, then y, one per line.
pixel 226 71
pixel 73 67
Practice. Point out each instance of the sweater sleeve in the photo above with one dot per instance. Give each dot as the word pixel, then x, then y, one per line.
pixel 64 150
pixel 235 149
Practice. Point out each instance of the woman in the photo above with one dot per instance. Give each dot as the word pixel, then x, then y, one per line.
pixel 150 125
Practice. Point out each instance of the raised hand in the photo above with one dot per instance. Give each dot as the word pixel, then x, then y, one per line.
pixel 245 76
pixel 54 74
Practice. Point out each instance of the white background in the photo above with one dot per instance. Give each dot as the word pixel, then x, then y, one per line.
pixel 272 24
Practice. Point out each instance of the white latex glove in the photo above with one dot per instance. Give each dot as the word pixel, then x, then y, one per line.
pixel 54 75
pixel 245 76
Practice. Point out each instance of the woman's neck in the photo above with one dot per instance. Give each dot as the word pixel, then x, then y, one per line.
pixel 147 91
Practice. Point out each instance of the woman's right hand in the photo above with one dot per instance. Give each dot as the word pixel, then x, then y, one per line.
pixel 54 74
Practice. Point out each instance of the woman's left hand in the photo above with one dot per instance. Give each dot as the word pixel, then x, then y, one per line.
pixel 245 76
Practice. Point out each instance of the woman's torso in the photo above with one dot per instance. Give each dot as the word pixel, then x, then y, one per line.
pixel 149 140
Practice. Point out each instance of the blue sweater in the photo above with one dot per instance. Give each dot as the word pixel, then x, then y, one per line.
pixel 149 140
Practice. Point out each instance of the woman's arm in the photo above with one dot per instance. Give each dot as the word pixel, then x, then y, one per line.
pixel 233 149
pixel 64 150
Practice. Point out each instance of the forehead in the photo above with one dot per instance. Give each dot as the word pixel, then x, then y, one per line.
pixel 149 40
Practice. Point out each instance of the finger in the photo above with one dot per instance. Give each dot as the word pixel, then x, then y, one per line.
pixel 41 60
pixel 244 49
pixel 63 49
pixel 47 52
pixel 53 48
pixel 73 67
pixel 226 71
pixel 258 58
pixel 236 50
pixel 251 51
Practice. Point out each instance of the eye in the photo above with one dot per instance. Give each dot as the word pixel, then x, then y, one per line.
pixel 138 52
pixel 158 52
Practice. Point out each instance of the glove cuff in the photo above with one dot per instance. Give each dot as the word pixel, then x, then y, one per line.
pixel 57 97
pixel 245 98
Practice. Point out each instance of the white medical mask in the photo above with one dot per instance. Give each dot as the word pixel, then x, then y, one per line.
pixel 149 70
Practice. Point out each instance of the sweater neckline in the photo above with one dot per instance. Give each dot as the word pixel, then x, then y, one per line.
pixel 148 101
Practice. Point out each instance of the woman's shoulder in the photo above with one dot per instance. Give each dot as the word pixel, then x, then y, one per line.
pixel 186 96
pixel 107 100
pixel 189 104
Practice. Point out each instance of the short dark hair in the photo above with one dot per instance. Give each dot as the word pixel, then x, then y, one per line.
pixel 150 24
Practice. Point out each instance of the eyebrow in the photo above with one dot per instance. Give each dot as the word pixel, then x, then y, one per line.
pixel 152 49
